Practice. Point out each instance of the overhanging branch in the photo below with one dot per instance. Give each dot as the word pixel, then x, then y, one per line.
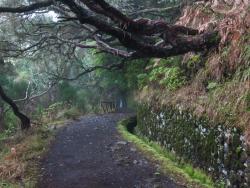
pixel 28 8
pixel 28 98
pixel 115 66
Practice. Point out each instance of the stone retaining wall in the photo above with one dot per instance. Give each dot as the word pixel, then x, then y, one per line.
pixel 218 150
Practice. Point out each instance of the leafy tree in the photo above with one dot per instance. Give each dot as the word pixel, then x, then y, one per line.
pixel 54 35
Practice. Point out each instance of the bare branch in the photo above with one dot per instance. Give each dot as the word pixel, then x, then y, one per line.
pixel 115 66
pixel 27 8
pixel 108 49
pixel 28 98
pixel 26 94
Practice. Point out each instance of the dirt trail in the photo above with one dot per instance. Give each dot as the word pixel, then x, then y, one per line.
pixel 89 153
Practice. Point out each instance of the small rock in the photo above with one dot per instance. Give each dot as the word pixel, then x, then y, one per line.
pixel 121 143
pixel 157 173
pixel 114 148
pixel 52 127
pixel 133 149
pixel 157 186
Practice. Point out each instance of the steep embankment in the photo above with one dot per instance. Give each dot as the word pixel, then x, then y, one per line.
pixel 217 82
pixel 198 105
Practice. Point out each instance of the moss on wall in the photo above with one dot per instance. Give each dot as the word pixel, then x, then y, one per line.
pixel 218 150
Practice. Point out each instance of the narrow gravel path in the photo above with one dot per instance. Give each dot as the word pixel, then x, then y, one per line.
pixel 89 153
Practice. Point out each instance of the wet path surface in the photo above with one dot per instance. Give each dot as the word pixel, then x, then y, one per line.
pixel 89 153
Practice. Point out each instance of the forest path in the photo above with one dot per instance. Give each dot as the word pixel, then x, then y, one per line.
pixel 89 153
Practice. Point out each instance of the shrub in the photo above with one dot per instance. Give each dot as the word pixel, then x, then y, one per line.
pixel 72 113
pixel 52 111
pixel 173 78
pixel 142 80
pixel 212 85
pixel 194 61
pixel 171 61
pixel 11 123
pixel 68 93
pixel 157 73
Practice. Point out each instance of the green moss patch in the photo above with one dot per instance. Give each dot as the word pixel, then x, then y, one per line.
pixel 170 164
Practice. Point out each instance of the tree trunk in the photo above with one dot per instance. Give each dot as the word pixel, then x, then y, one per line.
pixel 25 121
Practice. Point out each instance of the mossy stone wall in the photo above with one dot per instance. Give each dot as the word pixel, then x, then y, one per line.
pixel 216 149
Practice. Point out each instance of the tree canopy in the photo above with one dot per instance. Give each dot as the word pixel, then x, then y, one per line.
pixel 111 30
pixel 56 35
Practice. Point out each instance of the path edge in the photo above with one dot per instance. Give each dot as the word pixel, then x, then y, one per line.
pixel 157 154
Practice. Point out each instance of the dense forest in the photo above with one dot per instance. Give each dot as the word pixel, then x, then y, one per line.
pixel 181 67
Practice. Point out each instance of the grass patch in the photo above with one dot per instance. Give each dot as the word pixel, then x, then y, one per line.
pixel 181 172
pixel 20 156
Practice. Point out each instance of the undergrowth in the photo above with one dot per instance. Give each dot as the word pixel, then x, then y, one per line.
pixel 20 155
pixel 21 151
pixel 165 72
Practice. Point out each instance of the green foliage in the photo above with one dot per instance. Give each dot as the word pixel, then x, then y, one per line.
pixel 157 73
pixel 170 77
pixel 8 185
pixel 142 80
pixel 32 145
pixel 212 85
pixel 134 73
pixel 165 72
pixel 246 75
pixel 15 86
pixel 191 66
pixel 52 111
pixel 80 101
pixel 173 78
pixel 61 111
pixel 38 112
pixel 55 107
pixel 17 89
pixel 248 101
pixel 171 61
pixel 67 92
pixel 107 79
pixel 194 61
pixel 110 79
pixel 72 113
pixel 11 124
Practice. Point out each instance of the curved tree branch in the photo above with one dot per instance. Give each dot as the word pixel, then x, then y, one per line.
pixel 114 66
pixel 140 37
pixel 27 8
pixel 179 45
pixel 142 26
pixel 27 97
